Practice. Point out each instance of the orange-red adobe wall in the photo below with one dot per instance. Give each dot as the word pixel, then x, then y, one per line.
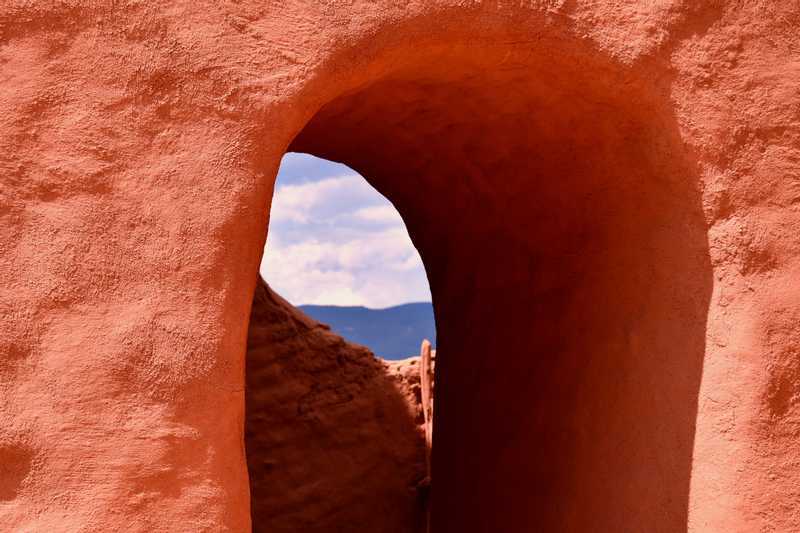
pixel 605 195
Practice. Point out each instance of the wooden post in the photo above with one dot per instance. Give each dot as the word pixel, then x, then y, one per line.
pixel 426 385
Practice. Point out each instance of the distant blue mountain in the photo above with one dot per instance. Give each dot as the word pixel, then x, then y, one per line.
pixel 391 333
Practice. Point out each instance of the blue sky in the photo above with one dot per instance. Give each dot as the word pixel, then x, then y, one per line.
pixel 335 240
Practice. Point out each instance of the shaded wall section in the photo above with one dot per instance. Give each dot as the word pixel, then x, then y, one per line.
pixel 559 220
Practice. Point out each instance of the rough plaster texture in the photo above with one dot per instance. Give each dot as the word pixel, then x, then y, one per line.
pixel 334 437
pixel 605 195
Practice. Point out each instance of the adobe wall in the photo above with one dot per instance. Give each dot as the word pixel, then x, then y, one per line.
pixel 605 195
pixel 334 436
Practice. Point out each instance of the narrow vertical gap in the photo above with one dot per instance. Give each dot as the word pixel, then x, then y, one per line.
pixel 339 381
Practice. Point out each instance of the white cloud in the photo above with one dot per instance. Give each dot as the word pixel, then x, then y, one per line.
pixel 337 241
pixel 321 199
pixel 379 269
pixel 385 214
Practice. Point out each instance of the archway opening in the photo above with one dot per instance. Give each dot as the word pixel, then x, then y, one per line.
pixel 558 217
pixel 353 446
pixel 339 251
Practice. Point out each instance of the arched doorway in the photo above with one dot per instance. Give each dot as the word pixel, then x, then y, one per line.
pixel 334 432
pixel 559 220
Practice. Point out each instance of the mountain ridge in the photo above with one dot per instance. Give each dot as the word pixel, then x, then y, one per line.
pixel 394 332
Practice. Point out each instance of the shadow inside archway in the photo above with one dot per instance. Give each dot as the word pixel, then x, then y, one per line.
pixel 559 219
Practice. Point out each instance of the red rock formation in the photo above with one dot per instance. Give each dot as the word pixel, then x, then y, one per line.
pixel 604 195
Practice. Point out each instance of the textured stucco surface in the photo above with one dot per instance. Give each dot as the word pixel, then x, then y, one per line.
pixel 334 436
pixel 606 195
